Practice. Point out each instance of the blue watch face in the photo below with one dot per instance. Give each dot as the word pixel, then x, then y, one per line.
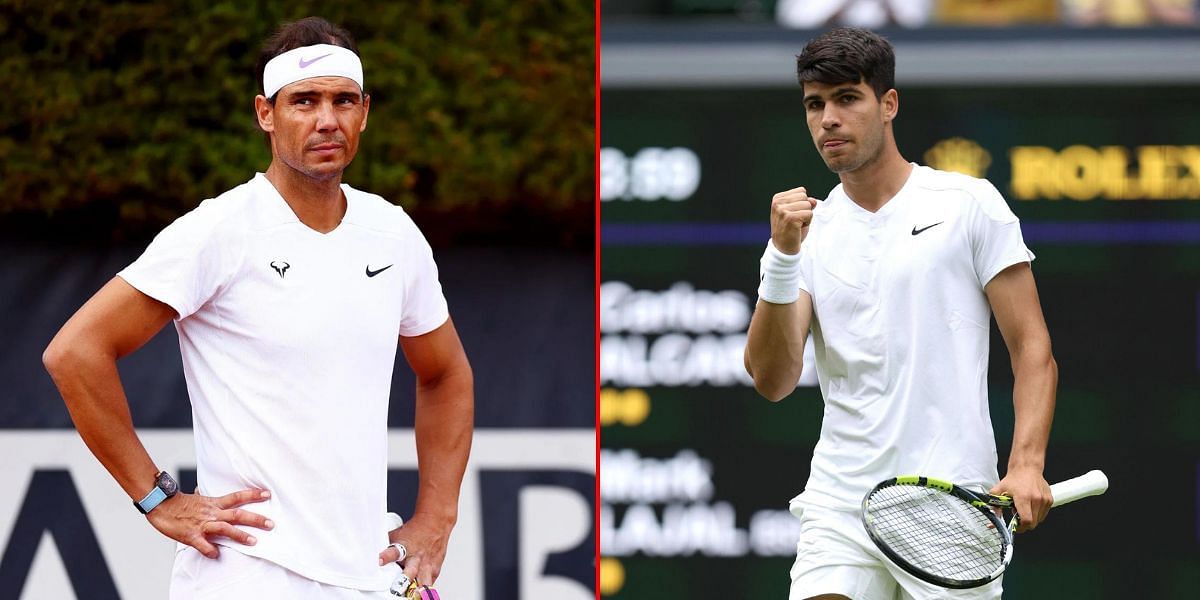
pixel 167 483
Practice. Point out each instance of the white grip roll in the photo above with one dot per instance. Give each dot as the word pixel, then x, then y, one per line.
pixel 1092 483
pixel 394 521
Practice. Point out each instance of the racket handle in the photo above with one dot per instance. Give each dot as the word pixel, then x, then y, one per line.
pixel 394 521
pixel 1092 483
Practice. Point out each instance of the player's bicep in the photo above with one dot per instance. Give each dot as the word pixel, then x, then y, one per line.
pixel 117 320
pixel 436 354
pixel 1013 296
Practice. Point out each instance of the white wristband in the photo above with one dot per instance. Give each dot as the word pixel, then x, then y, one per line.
pixel 780 276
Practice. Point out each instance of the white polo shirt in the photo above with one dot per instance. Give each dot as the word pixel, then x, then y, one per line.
pixel 900 331
pixel 288 338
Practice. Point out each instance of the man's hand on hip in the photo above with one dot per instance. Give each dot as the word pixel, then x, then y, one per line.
pixel 424 539
pixel 195 520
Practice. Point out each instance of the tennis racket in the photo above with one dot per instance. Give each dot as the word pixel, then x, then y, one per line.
pixel 404 586
pixel 948 535
pixel 409 589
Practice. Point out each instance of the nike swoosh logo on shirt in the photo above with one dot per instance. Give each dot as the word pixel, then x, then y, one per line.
pixel 915 231
pixel 371 273
pixel 304 63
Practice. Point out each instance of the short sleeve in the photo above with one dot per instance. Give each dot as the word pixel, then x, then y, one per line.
pixel 996 241
pixel 424 307
pixel 805 270
pixel 186 263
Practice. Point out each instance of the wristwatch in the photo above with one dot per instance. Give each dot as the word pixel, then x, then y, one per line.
pixel 164 487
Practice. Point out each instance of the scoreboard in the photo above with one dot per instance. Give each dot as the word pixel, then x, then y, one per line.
pixel 697 469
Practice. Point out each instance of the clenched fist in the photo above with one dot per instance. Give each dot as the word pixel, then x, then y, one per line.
pixel 791 214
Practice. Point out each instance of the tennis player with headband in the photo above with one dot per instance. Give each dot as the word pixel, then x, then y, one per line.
pixel 897 274
pixel 290 294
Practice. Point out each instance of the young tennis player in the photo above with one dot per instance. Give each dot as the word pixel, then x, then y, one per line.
pixel 290 294
pixel 897 274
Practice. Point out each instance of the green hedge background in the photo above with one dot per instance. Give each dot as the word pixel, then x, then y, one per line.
pixel 118 117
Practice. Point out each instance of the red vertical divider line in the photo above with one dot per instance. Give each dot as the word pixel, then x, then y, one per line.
pixel 596 305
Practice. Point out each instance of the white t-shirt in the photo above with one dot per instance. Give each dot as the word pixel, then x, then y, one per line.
pixel 900 330
pixel 288 338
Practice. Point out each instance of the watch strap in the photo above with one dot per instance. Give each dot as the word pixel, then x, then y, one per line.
pixel 153 499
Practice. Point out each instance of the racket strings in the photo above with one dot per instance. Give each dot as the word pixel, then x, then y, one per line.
pixel 936 532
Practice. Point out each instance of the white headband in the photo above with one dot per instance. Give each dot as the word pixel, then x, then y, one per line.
pixel 320 60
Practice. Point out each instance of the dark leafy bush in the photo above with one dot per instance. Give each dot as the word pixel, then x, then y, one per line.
pixel 140 110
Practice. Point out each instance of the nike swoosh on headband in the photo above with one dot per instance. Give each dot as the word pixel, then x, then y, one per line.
pixel 304 63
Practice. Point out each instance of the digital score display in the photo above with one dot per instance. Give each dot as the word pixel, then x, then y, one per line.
pixel 697 469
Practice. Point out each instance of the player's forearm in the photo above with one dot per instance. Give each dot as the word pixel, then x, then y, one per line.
pixel 774 354
pixel 90 386
pixel 1035 384
pixel 444 423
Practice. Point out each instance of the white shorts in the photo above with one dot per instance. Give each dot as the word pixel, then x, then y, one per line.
pixel 835 556
pixel 235 576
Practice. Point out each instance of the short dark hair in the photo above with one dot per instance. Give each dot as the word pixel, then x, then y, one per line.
pixel 848 55
pixel 298 34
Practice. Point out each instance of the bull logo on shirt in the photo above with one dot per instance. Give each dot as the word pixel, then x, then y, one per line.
pixel 280 267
